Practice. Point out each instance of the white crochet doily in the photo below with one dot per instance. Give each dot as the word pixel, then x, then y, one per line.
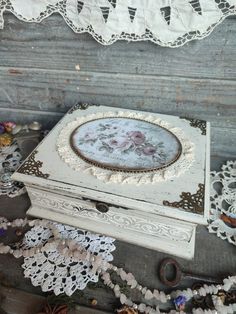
pixel 55 272
pixel 223 201
pixel 10 159
pixel 169 23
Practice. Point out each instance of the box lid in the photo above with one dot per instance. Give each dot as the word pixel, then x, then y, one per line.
pixel 147 161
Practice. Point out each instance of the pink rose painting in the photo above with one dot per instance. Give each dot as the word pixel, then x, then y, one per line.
pixel 137 137
pixel 120 143
pixel 149 150
pixel 125 143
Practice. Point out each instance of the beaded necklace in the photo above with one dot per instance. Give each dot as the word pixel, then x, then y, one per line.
pixel 70 248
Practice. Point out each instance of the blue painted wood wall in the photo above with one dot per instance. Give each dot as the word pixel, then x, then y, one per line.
pixel 39 80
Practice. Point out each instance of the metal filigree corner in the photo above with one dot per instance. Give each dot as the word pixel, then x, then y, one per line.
pixel 32 167
pixel 80 107
pixel 193 203
pixel 196 123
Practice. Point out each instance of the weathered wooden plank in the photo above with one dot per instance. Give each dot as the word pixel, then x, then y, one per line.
pixel 40 89
pixel 198 80
pixel 53 45
pixel 223 142
pixel 47 118
pixel 222 139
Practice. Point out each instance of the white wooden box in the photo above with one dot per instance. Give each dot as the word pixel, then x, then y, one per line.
pixel 139 177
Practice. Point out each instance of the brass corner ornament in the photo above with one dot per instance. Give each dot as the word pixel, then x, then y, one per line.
pixel 80 107
pixel 193 203
pixel 32 167
pixel 196 123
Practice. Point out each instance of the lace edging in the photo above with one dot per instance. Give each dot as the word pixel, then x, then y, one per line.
pixel 176 12
pixel 174 170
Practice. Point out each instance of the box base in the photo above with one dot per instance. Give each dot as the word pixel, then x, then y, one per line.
pixel 162 244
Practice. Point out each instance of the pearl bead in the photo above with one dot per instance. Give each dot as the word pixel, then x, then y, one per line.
pixel 142 307
pixel 26 253
pixel 195 292
pixel 117 288
pixel 129 302
pixel 219 287
pixel 168 297
pixel 32 251
pixel 123 275
pixel 135 306
pixel 133 284
pixel 8 223
pixel 156 294
pixel 148 295
pixel 139 287
pixel 117 294
pixel 114 268
pixel 108 265
pixel 202 292
pixel 17 253
pixel 162 297
pixel 123 298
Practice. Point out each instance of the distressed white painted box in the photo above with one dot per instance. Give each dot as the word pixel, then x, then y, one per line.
pixel 137 176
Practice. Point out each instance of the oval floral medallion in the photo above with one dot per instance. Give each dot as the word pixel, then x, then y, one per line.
pixel 125 144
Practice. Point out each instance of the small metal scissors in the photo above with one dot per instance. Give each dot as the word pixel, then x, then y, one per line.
pixel 180 275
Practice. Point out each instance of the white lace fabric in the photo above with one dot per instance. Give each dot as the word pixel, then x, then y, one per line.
pixel 55 272
pixel 169 23
pixel 223 202
pixel 10 160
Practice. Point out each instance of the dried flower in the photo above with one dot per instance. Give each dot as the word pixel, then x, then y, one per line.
pixel 180 302
pixel 2 128
pixel 9 126
pixel 57 309
pixel 5 140
pixel 2 232
pixel 120 143
pixel 18 232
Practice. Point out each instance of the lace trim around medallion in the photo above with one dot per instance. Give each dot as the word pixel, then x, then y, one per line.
pixel 68 155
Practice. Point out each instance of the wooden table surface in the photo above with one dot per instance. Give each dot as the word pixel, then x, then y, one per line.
pixel 213 256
